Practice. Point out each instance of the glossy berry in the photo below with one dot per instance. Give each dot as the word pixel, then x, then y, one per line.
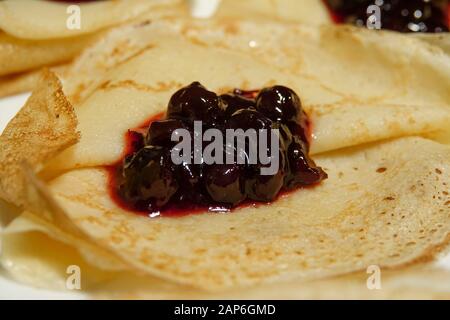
pixel 279 104
pixel 190 178
pixel 302 170
pixel 300 129
pixel 265 187
pixel 152 182
pixel 160 132
pixel 249 119
pixel 148 178
pixel 233 102
pixel 195 102
pixel 224 183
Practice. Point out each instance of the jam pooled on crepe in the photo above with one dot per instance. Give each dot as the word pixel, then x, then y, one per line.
pixel 149 181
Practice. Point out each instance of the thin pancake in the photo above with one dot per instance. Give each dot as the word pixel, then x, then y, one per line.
pixel 46 122
pixel 27 81
pixel 42 269
pixel 385 204
pixel 355 63
pixel 306 11
pixel 31 19
pixel 18 55
pixel 125 89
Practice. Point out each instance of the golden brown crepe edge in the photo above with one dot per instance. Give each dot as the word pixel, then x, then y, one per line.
pixel 27 81
pixel 45 126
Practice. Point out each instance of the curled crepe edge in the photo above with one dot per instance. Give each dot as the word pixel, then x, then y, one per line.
pixel 27 81
pixel 49 20
pixel 45 126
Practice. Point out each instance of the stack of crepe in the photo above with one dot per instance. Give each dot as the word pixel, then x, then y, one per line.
pixel 380 107
pixel 36 33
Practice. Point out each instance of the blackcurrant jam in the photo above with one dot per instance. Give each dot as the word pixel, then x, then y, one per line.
pixel 147 180
pixel 399 15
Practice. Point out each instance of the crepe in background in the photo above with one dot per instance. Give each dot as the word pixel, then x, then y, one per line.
pixel 385 203
pixel 34 33
pixel 311 12
pixel 377 77
pixel 441 40
pixel 392 102
pixel 39 20
pixel 308 12
pixel 17 55
pixel 27 81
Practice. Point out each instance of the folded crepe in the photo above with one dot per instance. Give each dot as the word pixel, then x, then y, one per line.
pixel 30 41
pixel 313 61
pixel 47 268
pixel 26 81
pixel 386 201
pixel 34 33
pixel 309 12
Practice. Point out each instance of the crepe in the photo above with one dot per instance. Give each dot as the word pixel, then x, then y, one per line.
pixel 385 203
pixel 395 108
pixel 31 19
pixel 307 12
pixel 17 55
pixel 44 269
pixel 27 81
pixel 34 33
pixel 312 12
pixel 53 130
pixel 267 243
pixel 441 40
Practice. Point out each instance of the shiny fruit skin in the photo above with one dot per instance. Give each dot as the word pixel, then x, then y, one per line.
pixel 148 177
pixel 160 132
pixel 302 170
pixel 279 103
pixel 233 102
pixel 224 183
pixel 195 102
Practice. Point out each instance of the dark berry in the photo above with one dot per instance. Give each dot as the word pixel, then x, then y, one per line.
pixel 279 104
pixel 148 177
pixel 299 129
pixel 232 103
pixel 303 171
pixel 249 119
pixel 285 134
pixel 223 183
pixel 189 176
pixel 151 181
pixel 265 188
pixel 160 132
pixel 135 139
pixel 194 102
